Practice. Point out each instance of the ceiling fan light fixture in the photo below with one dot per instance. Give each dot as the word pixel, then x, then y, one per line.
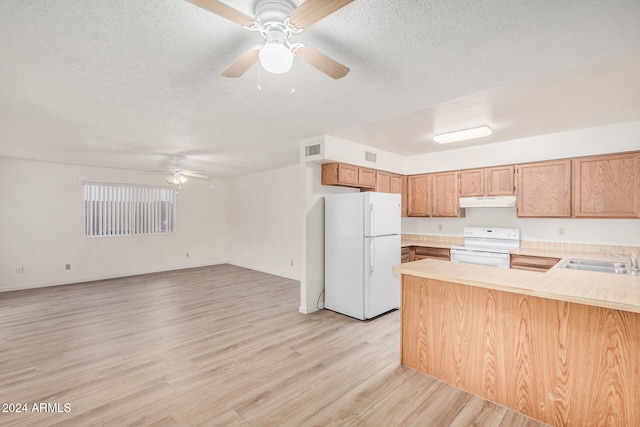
pixel 462 135
pixel 177 179
pixel 275 57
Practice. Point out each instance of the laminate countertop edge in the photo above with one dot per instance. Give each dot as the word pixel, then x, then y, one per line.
pixel 620 292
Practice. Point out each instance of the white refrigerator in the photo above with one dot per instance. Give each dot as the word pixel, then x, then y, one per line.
pixel 362 243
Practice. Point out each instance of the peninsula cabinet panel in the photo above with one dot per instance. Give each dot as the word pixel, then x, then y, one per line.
pixel 472 183
pixel 445 192
pixel 418 195
pixel 500 181
pixel 607 186
pixel 561 363
pixel 544 189
pixel 383 182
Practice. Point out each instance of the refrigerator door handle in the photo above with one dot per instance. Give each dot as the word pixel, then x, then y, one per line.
pixel 371 252
pixel 372 227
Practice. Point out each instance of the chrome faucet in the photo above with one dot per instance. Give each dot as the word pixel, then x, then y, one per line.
pixel 632 260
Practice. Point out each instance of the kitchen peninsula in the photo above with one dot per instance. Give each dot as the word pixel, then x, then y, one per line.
pixel 561 346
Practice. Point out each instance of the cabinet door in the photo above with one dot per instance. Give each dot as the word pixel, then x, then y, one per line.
pixel 383 182
pixel 339 174
pixel 418 195
pixel 472 183
pixel 607 186
pixel 399 186
pixel 366 178
pixel 444 194
pixel 544 189
pixel 500 181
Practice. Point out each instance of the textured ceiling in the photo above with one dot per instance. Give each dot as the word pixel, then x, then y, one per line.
pixel 129 83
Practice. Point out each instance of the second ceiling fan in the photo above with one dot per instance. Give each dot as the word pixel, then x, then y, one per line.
pixel 276 21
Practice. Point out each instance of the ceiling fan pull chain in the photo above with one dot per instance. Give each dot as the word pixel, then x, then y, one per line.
pixel 259 78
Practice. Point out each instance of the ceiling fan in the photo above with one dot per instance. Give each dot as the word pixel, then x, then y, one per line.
pixel 176 174
pixel 277 21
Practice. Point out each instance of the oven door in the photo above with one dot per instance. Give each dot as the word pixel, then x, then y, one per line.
pixel 500 260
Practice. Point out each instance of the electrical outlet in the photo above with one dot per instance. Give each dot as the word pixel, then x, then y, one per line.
pixel 561 231
pixel 439 227
pixel 67 266
pixel 20 270
pixel 291 263
pixel 187 254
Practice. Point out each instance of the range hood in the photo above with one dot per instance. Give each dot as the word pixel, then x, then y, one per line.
pixel 488 202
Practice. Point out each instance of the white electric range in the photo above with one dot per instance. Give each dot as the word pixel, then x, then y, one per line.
pixel 486 246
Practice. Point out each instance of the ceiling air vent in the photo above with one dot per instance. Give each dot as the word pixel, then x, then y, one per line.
pixel 312 150
pixel 370 157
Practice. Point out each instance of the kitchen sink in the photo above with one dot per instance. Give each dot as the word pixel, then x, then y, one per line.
pixel 615 267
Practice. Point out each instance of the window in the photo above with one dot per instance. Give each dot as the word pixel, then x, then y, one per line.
pixel 128 210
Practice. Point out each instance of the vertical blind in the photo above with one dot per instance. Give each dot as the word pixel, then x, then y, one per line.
pixel 126 210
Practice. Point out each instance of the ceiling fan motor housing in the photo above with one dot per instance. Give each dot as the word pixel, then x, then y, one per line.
pixel 269 12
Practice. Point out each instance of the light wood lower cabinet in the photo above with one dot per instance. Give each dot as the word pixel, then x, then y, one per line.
pixel 544 189
pixel 421 252
pixel 607 186
pixel 562 363
pixel 405 254
pixel 416 253
pixel 532 263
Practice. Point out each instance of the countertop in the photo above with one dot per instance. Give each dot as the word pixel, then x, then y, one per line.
pixel 620 292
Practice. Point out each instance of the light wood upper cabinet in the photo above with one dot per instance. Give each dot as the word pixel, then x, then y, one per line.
pixel 500 181
pixel 607 186
pixel 544 189
pixel 434 195
pixel 472 183
pixel 383 182
pixel 366 178
pixel 493 181
pixel 418 187
pixel 444 194
pixel 399 186
pixel 340 174
pixel 348 175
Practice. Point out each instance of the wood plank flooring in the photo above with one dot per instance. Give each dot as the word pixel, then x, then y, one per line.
pixel 218 345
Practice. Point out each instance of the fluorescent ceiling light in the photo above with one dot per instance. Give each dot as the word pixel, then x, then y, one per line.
pixel 462 135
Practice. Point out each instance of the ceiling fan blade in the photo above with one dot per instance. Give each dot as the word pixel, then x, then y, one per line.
pixel 312 11
pixel 243 63
pixel 223 10
pixel 195 174
pixel 322 62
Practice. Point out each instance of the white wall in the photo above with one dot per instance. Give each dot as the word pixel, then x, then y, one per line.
pixel 621 232
pixel 264 221
pixel 41 227
pixel 582 142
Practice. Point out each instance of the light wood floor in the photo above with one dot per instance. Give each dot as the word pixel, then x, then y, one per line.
pixel 219 345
